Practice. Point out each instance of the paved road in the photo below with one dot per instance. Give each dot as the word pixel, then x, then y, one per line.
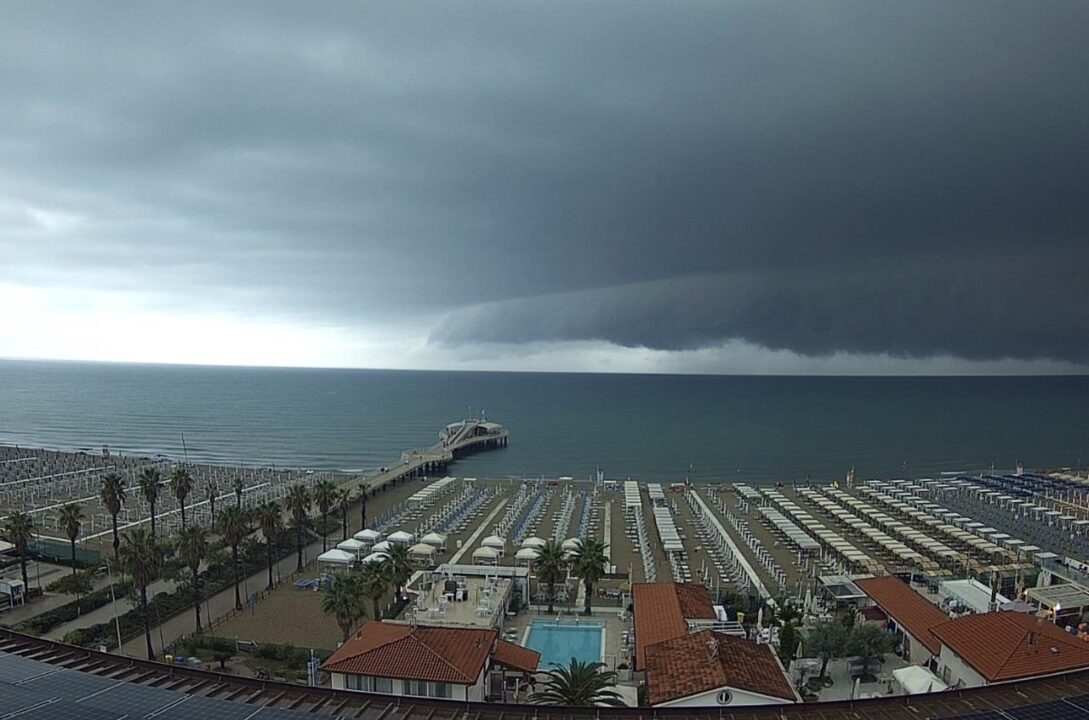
pixel 106 612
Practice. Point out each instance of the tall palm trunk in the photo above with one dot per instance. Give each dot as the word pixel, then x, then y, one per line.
pixel 196 596
pixel 324 529
pixel 269 548
pixel 182 503
pixel 299 545
pixel 22 568
pixel 147 622
pixel 551 598
pixel 152 507
pixel 75 577
pixel 344 522
pixel 589 594
pixel 377 609
pixel 363 511
pixel 116 539
pixel 237 596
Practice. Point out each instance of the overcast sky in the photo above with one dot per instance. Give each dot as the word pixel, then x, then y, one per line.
pixel 759 186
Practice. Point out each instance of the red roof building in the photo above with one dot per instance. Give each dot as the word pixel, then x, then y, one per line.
pixel 662 610
pixel 712 669
pixel 913 614
pixel 1001 646
pixel 445 662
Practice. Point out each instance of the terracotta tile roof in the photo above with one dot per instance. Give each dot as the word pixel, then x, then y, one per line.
pixel 661 610
pixel 415 652
pixel 997 645
pixel 911 611
pixel 685 666
pixel 516 657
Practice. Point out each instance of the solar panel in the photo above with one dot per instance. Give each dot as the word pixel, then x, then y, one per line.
pixel 69 684
pixel 14 698
pixel 1057 710
pixel 68 711
pixel 196 707
pixel 14 668
pixel 283 714
pixel 133 700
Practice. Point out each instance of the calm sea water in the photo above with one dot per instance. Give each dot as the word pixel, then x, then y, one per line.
pixel 757 429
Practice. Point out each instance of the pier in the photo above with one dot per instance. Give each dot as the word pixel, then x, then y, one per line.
pixel 455 440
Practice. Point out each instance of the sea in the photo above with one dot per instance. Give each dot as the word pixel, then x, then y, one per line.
pixel 757 429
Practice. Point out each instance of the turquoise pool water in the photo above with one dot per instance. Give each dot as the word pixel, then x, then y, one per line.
pixel 558 642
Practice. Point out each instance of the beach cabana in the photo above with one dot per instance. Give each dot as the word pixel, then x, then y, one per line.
pixel 374 557
pixel 336 557
pixel 422 553
pixel 485 556
pixel 368 536
pixel 533 542
pixel 352 545
pixel 401 537
pixel 572 544
pixel 527 555
pixel 435 540
pixel 495 543
pixel 382 547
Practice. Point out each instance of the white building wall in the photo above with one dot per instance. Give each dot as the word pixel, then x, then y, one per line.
pixel 952 669
pixel 738 698
pixel 336 680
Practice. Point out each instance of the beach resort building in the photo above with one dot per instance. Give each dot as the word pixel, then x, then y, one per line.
pixel 709 668
pixel 692 658
pixel 439 662
pixel 999 647
pixel 910 615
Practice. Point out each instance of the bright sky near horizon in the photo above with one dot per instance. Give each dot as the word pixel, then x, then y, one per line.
pixel 731 187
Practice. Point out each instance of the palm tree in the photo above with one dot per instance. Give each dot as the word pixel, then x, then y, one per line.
pixel 142 558
pixel 362 497
pixel 551 568
pixel 580 683
pixel 400 566
pixel 112 494
pixel 19 529
pixel 192 548
pixel 298 502
pixel 344 499
pixel 270 520
pixel 325 496
pixel 234 527
pixel 374 581
pixel 211 490
pixel 148 481
pixel 239 486
pixel 71 520
pixel 181 482
pixel 343 599
pixel 588 562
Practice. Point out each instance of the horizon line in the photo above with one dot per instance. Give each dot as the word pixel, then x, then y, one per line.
pixel 242 366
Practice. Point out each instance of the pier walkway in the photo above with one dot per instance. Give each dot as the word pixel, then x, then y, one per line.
pixel 455 440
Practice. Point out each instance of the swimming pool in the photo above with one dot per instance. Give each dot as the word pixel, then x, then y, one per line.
pixel 558 642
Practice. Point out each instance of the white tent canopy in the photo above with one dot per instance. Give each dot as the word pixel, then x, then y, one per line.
pixel 401 537
pixel 374 557
pixel 494 541
pixel 572 544
pixel 368 536
pixel 915 679
pixel 533 542
pixel 434 538
pixel 382 547
pixel 422 549
pixel 485 555
pixel 336 557
pixel 352 545
pixel 527 554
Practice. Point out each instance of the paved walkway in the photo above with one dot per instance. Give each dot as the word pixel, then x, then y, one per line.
pixel 48 600
pixel 106 612
pixel 218 604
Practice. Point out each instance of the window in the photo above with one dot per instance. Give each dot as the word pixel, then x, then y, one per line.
pixel 416 687
pixel 441 690
pixel 422 688
pixel 383 685
pixel 368 684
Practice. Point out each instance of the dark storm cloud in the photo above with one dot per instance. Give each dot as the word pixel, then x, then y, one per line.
pixel 908 178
